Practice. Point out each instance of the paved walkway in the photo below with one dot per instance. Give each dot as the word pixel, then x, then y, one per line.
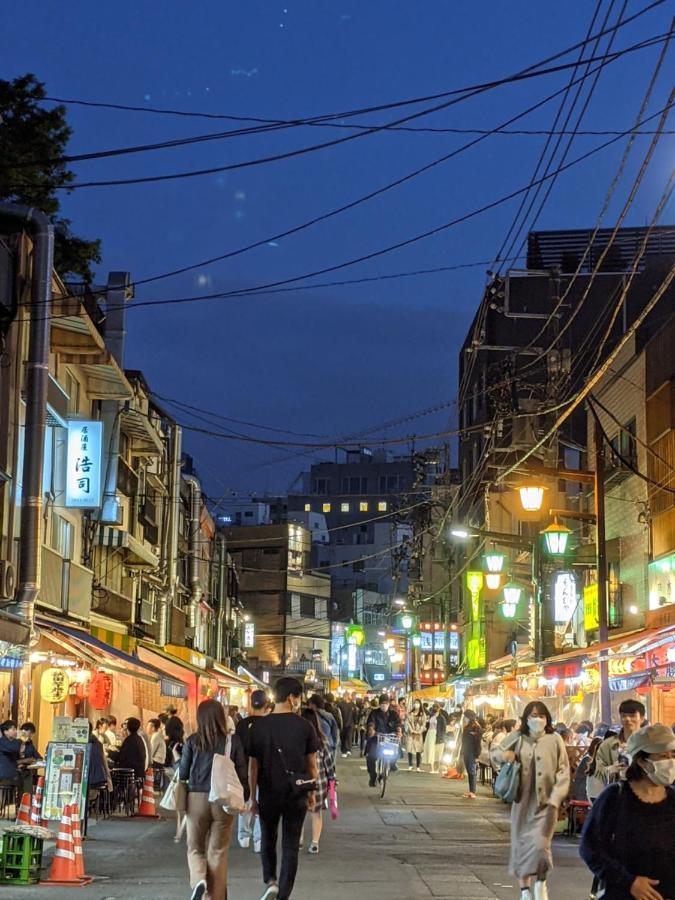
pixel 422 841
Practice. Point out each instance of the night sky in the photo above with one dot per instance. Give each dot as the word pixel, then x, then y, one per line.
pixel 339 360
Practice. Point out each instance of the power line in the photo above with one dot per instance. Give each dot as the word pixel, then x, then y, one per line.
pixel 290 154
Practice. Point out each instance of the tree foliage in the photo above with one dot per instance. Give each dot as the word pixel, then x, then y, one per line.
pixel 33 142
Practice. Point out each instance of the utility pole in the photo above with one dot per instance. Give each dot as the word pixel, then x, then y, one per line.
pixel 601 555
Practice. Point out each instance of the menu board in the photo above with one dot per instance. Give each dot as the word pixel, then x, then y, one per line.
pixel 66 776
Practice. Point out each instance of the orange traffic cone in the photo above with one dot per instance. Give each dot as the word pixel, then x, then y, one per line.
pixel 23 815
pixel 63 870
pixel 147 807
pixel 36 807
pixel 77 845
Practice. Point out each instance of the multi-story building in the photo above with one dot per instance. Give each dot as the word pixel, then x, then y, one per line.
pixel 288 603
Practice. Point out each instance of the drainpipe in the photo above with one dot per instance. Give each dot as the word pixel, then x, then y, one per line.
pixel 222 595
pixel 195 535
pixel 36 382
pixel 169 596
pixel 118 293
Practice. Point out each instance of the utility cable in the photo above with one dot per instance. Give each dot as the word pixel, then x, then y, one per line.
pixel 635 437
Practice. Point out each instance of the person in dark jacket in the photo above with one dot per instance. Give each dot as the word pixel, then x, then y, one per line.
pixel 209 827
pixel 385 720
pixel 173 727
pixel 27 732
pixel 471 747
pixel 12 758
pixel 348 712
pixel 132 754
pixel 627 839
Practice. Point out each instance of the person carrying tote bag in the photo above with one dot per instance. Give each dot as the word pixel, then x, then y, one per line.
pixel 209 825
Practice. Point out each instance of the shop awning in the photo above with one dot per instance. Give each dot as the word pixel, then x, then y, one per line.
pixel 252 678
pixel 170 658
pixel 355 684
pixel 226 677
pixel 623 643
pixel 90 649
pixel 138 554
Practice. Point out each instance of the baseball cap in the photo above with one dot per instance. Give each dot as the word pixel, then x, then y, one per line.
pixel 651 739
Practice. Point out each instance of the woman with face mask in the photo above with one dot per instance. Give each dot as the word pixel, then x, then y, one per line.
pixel 415 725
pixel 628 840
pixel 544 784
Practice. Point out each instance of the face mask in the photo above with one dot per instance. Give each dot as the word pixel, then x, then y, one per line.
pixel 384 707
pixel 536 725
pixel 661 771
pixel 416 706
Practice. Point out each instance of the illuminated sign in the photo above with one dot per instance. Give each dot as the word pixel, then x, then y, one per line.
pixel 249 635
pixel 661 578
pixel 432 641
pixel 355 635
pixel 591 612
pixel 351 657
pixel 565 597
pixel 83 464
pixel 378 676
pixel 54 684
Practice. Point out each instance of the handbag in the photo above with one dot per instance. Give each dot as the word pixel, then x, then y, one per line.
pixel 333 800
pixel 168 801
pixel 226 789
pixel 300 783
pixel 507 782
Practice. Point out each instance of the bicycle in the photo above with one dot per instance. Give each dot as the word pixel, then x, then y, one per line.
pixel 388 750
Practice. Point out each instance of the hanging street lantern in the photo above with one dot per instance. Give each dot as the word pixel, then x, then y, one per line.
pixel 531 497
pixel 511 599
pixel 493 562
pixel 492 581
pixel 556 537
pixel 407 621
pixel 416 640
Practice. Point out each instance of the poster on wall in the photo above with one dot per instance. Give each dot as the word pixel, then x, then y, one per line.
pixel 66 776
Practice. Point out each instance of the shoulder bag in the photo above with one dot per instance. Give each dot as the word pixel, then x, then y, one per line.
pixel 300 783
pixel 507 782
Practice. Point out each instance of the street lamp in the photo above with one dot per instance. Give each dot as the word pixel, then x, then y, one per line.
pixel 531 497
pixel 399 601
pixel 555 538
pixel 494 564
pixel 492 581
pixel 511 599
pixel 407 621
pixel 459 532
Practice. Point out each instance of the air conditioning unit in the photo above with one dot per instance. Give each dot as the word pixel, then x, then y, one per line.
pixel 7 579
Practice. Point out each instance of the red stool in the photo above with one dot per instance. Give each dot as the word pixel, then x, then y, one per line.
pixel 575 807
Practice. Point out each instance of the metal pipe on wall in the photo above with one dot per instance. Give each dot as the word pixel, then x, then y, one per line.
pixel 169 597
pixel 193 551
pixel 36 383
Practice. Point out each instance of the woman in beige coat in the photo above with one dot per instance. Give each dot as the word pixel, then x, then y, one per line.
pixel 544 784
pixel 415 725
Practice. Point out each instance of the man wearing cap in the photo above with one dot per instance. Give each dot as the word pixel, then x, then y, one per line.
pixel 249 823
pixel 610 761
pixel 627 840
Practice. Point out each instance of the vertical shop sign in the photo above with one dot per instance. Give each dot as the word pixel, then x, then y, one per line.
pixel 83 464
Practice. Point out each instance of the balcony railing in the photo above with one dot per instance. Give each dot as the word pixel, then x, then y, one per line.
pixel 66 586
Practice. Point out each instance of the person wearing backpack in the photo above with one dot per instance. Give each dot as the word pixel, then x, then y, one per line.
pixel 209 827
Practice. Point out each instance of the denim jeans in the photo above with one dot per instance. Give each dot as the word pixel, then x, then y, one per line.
pixel 246 828
pixel 470 766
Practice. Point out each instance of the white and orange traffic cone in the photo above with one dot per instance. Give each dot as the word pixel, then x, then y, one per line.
pixel 36 806
pixel 77 845
pixel 23 815
pixel 147 807
pixel 63 870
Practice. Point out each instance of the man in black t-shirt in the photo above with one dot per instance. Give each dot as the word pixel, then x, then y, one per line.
pixel 277 745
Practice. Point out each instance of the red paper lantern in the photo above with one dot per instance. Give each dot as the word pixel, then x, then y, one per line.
pixel 100 690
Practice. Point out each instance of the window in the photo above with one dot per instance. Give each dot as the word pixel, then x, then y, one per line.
pixel 307 607
pixel 326 507
pixel 308 507
pixel 248 514
pixel 382 506
pixel 344 507
pixel 295 606
pixel 320 608
pixel 321 486
pixel 61 537
pixel 390 484
pixel 355 484
pixel 363 506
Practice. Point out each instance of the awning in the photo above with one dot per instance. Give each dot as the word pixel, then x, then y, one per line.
pixel 227 677
pixel 252 679
pixel 90 649
pixel 355 684
pixel 188 668
pixel 629 640
pixel 146 441
pixel 138 554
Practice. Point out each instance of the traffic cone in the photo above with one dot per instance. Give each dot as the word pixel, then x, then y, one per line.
pixel 63 870
pixel 23 815
pixel 147 807
pixel 77 845
pixel 36 807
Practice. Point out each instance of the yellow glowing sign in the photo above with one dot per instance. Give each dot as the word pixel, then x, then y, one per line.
pixel 591 613
pixel 54 685
pixel 474 582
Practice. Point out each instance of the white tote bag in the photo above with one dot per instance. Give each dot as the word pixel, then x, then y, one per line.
pixel 168 801
pixel 226 788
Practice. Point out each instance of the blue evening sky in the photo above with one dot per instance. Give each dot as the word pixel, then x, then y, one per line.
pixel 336 360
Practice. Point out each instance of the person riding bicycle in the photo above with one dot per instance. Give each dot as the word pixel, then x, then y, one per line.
pixel 384 720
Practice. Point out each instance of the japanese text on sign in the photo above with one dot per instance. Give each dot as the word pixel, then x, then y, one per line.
pixel 83 466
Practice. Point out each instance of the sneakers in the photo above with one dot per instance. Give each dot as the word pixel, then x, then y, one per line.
pixel 349 752
pixel 372 783
pixel 313 847
pixel 344 755
pixel 244 843
pixel 410 768
pixel 272 891
pixel 256 846
pixel 199 891
pixel 419 769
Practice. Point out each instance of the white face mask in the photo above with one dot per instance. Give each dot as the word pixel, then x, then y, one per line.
pixel 416 706
pixel 661 771
pixel 536 724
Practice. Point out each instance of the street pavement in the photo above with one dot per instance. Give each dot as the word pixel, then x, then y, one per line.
pixel 421 841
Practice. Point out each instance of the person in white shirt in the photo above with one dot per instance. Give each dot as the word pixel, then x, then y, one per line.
pixel 156 750
pixel 110 735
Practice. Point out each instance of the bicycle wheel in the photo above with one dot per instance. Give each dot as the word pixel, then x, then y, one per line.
pixel 385 772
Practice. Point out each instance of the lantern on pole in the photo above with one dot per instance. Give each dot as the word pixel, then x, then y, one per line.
pixel 531 497
pixel 510 600
pixel 556 538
